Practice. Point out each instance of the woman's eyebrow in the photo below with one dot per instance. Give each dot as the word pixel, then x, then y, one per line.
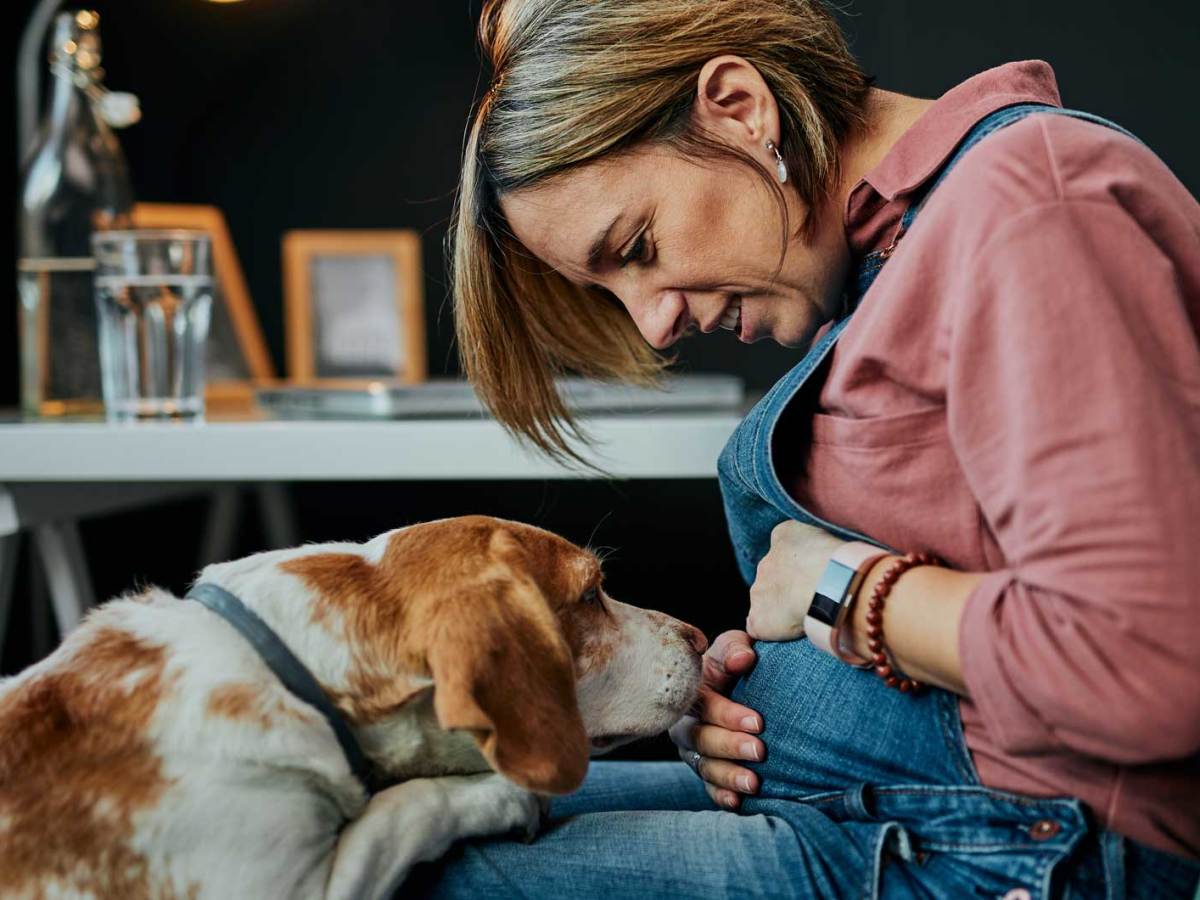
pixel 597 249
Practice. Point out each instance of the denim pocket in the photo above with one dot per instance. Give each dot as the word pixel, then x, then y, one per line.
pixel 905 867
pixel 959 841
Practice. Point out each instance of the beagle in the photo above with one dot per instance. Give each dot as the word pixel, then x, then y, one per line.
pixel 478 664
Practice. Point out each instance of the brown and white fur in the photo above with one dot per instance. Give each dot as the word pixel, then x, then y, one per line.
pixel 153 755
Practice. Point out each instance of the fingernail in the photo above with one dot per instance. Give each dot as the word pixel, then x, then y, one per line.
pixel 746 783
pixel 750 750
pixel 741 657
pixel 729 801
pixel 750 723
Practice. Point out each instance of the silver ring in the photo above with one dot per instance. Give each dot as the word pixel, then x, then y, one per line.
pixel 693 761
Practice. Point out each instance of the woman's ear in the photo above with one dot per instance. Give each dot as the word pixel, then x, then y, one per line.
pixel 502 671
pixel 734 103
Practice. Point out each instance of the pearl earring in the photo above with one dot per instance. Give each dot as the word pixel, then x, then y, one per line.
pixel 780 165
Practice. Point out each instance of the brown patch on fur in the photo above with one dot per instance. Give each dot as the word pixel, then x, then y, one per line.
pixel 490 610
pixel 346 583
pixel 238 702
pixel 76 766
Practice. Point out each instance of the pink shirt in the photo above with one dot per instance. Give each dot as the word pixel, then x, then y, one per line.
pixel 1019 393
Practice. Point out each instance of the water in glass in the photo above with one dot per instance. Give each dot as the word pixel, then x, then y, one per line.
pixel 154 300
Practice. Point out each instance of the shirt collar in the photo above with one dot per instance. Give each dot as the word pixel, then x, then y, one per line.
pixel 927 144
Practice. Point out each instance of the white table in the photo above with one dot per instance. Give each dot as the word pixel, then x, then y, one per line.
pixel 52 473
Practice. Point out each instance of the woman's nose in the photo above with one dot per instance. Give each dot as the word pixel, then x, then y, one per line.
pixel 660 317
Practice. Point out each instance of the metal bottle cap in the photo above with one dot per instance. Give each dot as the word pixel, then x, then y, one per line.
pixel 75 40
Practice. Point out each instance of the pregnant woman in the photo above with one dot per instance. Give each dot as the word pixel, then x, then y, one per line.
pixel 976 497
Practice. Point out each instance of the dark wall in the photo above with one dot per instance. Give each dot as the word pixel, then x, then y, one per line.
pixel 322 113
pixel 328 113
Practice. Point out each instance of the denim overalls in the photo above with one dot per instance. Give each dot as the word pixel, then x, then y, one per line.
pixel 916 799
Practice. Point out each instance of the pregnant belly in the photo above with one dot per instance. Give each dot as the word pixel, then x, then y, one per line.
pixel 829 726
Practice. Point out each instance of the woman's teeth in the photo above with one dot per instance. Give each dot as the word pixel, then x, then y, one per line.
pixel 732 315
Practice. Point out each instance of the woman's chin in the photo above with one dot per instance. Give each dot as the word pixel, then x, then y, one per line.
pixel 797 337
pixel 754 329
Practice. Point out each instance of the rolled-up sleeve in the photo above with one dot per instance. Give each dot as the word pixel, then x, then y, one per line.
pixel 1073 400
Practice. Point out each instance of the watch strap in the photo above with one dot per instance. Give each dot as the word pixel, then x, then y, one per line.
pixel 830 606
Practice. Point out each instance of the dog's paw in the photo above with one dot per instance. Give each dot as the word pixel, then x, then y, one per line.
pixel 532 828
pixel 491 804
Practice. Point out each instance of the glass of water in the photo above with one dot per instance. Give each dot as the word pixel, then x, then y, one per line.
pixel 154 291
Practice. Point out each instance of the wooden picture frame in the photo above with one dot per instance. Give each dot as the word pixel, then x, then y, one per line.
pixel 237 354
pixel 354 304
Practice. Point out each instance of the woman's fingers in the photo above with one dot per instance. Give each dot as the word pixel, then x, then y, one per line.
pixel 718 709
pixel 721 743
pixel 730 800
pixel 720 730
pixel 729 656
pixel 723 777
pixel 724 781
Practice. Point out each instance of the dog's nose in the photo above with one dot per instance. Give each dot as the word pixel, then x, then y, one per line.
pixel 693 636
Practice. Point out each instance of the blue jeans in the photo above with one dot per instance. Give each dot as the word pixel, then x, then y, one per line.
pixel 883 805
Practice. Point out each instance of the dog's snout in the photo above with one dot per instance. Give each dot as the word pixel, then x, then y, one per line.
pixel 693 636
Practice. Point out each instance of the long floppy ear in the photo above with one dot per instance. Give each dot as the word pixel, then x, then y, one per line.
pixel 503 671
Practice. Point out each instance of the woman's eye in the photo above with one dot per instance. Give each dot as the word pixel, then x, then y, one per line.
pixel 636 252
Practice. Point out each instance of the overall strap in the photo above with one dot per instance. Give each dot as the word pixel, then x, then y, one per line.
pixel 1001 118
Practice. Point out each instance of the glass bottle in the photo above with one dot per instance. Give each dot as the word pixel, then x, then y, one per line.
pixel 74 183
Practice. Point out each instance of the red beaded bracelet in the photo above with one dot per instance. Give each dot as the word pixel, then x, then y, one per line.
pixel 879 654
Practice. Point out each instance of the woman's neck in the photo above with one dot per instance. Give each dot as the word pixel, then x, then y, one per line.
pixel 889 115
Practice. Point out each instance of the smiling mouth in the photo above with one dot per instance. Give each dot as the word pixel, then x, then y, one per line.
pixel 731 319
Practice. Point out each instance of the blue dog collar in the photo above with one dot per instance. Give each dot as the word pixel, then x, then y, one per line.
pixel 294 675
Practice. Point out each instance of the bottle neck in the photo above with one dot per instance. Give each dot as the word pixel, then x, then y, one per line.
pixel 76 181
pixel 69 105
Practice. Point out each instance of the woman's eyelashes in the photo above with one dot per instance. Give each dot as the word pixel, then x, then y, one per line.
pixel 636 251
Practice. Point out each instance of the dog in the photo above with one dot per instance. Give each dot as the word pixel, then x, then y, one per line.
pixel 478 663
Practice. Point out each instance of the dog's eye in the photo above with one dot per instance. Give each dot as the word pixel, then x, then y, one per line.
pixel 591 595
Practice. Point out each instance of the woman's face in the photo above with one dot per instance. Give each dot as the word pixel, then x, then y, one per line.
pixel 683 243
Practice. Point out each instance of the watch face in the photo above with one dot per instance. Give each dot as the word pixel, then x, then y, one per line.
pixel 824 609
pixel 830 594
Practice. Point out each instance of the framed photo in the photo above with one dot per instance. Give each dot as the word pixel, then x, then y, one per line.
pixel 236 354
pixel 355 305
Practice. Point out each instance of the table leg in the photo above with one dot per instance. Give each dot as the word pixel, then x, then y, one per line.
pixel 41 639
pixel 62 556
pixel 9 544
pixel 279 519
pixel 220 526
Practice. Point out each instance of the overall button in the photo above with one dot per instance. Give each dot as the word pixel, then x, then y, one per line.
pixel 1017 894
pixel 1044 829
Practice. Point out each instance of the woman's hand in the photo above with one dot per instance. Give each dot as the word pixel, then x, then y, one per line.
pixel 787 577
pixel 722 731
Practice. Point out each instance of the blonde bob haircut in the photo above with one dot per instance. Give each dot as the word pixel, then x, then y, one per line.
pixel 577 80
